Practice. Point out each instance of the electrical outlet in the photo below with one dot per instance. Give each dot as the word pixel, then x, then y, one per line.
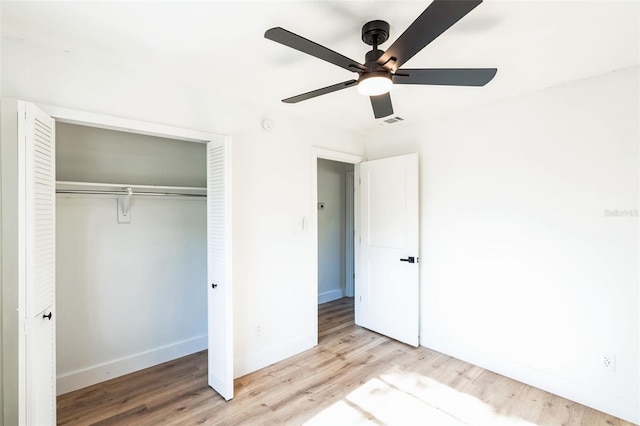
pixel 608 361
pixel 259 328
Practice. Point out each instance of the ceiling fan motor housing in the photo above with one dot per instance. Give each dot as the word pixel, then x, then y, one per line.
pixel 371 59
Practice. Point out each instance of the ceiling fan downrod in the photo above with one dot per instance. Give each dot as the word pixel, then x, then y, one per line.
pixel 374 33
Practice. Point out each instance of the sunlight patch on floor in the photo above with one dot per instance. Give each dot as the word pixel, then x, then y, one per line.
pixel 403 398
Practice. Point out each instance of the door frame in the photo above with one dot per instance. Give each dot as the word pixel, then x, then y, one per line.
pixel 83 118
pixel 343 157
pixel 349 279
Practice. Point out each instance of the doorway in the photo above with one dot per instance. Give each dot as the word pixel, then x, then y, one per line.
pixel 348 268
pixel 119 258
pixel 335 230
pixel 375 226
pixel 219 277
pixel 23 150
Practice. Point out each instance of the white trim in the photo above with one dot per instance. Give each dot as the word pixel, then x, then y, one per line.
pixel 344 157
pixel 330 295
pixel 83 118
pixel 23 321
pixel 356 230
pixel 349 287
pixel 109 370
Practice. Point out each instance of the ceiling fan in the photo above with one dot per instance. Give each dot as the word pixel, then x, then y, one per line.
pixel 381 69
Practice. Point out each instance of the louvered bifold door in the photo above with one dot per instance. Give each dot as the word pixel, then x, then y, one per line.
pixel 220 308
pixel 39 192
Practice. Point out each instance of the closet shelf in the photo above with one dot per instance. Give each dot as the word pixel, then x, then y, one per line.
pixel 123 189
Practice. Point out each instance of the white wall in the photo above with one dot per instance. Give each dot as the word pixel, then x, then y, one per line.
pixel 331 229
pixel 522 270
pixel 271 182
pixel 90 154
pixel 1 299
pixel 10 253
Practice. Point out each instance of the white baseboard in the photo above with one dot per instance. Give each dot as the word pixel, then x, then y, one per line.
pixel 598 399
pixel 99 373
pixel 329 296
pixel 256 361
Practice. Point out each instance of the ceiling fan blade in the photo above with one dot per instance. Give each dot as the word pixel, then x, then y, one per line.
pixel 381 104
pixel 445 76
pixel 436 19
pixel 318 92
pixel 309 47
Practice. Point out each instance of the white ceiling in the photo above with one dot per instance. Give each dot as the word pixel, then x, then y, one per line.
pixel 219 45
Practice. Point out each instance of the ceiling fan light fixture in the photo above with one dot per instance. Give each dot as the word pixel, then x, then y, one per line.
pixel 374 83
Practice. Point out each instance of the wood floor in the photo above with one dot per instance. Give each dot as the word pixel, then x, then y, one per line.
pixel 353 376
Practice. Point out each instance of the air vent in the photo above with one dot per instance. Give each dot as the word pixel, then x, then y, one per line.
pixel 391 120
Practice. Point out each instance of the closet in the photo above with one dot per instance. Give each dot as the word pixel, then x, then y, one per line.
pixel 131 252
pixel 123 232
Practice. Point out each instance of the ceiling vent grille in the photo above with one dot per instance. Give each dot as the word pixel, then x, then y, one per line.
pixel 391 120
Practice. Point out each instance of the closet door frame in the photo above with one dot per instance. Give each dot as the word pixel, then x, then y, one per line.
pixel 70 116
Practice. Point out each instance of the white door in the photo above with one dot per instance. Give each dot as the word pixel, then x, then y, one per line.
pixel 387 296
pixel 38 134
pixel 219 268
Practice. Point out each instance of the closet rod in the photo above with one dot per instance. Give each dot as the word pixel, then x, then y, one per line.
pixel 152 194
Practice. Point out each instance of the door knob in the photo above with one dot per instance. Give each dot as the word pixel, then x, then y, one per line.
pixel 214 285
pixel 409 259
pixel 48 316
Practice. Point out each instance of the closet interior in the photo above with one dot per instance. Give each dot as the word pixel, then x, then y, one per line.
pixel 131 252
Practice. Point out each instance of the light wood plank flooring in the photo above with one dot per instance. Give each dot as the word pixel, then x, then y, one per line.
pixel 353 376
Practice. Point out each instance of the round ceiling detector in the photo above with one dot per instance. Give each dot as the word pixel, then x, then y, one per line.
pixel 374 83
